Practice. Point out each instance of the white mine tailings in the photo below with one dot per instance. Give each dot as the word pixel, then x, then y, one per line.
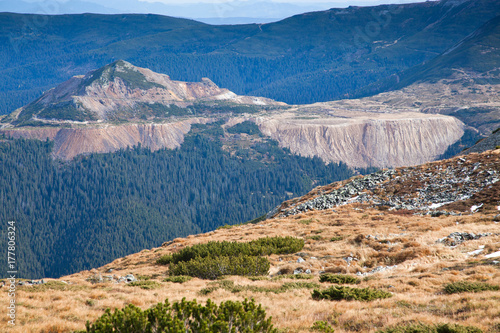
pixel 363 139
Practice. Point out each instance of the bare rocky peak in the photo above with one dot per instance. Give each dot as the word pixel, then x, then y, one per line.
pixel 121 91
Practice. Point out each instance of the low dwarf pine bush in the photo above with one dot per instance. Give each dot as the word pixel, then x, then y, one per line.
pixel 338 278
pixel 185 316
pixel 338 293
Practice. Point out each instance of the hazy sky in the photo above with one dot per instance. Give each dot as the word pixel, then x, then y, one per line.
pixel 262 10
pixel 333 3
pixel 352 2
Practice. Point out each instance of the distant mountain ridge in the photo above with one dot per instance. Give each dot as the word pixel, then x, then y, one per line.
pixel 330 54
pixel 227 10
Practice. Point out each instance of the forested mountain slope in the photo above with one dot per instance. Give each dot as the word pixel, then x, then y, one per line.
pixel 329 54
pixel 463 82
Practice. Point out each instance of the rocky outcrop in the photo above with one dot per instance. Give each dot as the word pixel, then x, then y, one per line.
pixel 70 142
pixel 491 142
pixel 120 91
pixel 364 139
pixel 465 184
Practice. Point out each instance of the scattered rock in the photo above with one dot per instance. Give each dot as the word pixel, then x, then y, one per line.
pixel 493 255
pixel 349 259
pixel 298 271
pixel 377 270
pixel 457 238
pixel 130 278
pixel 475 252
pixel 475 208
pixel 422 189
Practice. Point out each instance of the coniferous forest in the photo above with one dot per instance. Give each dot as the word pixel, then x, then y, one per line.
pixel 74 215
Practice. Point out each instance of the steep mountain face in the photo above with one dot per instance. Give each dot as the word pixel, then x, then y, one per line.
pixel 70 142
pixel 364 139
pixel 330 54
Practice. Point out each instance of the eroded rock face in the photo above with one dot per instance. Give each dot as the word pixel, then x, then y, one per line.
pixel 366 139
pixel 70 142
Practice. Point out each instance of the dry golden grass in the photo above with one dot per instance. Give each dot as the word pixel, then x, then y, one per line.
pixel 405 240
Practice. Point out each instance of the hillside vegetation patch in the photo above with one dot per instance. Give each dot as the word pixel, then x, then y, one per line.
pixel 466 286
pixel 439 328
pixel 339 278
pixel 214 259
pixel 186 316
pixel 337 293
pixel 258 247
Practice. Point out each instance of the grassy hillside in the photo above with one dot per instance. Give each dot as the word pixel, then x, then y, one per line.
pixel 416 270
pixel 306 58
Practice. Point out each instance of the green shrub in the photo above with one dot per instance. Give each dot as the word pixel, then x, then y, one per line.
pixel 338 278
pixel 439 328
pixel 322 326
pixel 185 316
pixel 164 260
pixel 466 286
pixel 359 294
pixel 315 237
pixel 214 267
pixel 247 127
pixel 90 302
pixel 294 276
pixel 298 285
pixel 258 278
pixel 231 287
pixel 336 238
pixel 177 279
pixel 145 284
pixel 262 246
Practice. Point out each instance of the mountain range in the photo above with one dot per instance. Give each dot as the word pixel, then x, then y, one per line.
pixel 235 12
